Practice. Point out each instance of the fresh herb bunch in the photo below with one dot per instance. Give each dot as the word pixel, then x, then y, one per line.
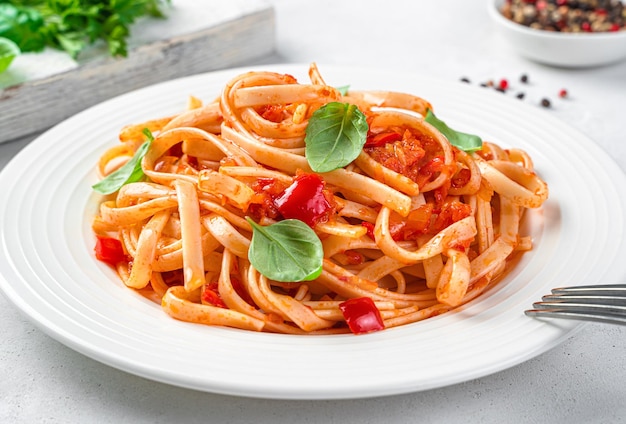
pixel 71 25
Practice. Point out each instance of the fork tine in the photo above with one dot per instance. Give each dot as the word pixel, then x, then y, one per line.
pixel 602 303
pixel 582 307
pixel 582 316
pixel 600 290
pixel 594 300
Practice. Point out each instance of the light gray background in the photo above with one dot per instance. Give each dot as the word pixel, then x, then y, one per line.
pixel 581 380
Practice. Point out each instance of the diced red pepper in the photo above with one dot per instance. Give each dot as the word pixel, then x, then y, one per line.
pixel 353 257
pixel 370 229
pixel 362 315
pixel 266 190
pixel 109 250
pixel 305 200
pixel 210 295
pixel 383 138
pixel 273 113
pixel 433 166
pixel 440 194
pixel 461 178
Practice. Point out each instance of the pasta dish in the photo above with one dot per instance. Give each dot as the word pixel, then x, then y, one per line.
pixel 304 208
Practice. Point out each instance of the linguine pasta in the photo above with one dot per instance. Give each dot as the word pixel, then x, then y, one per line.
pixel 414 223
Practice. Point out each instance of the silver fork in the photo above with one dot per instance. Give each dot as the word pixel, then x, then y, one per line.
pixel 602 303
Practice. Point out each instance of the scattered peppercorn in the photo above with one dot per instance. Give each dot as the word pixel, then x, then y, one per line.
pixel 502 86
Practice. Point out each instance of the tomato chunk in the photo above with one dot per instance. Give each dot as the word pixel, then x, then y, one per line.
pixel 418 221
pixel 305 200
pixel 451 212
pixel 362 315
pixel 109 250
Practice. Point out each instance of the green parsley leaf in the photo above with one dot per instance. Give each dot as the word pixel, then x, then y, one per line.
pixel 24 26
pixel 467 142
pixel 8 51
pixel 288 251
pixel 335 136
pixel 71 42
pixel 71 25
pixel 129 173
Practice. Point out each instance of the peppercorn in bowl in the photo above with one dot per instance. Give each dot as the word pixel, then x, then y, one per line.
pixel 566 33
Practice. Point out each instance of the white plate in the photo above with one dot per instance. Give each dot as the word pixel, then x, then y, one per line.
pixel 49 272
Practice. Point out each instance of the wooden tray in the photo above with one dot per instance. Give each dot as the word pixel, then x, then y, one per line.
pixel 39 90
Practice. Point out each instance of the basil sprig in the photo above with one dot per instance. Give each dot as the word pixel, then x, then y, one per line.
pixel 129 173
pixel 335 136
pixel 468 142
pixel 286 251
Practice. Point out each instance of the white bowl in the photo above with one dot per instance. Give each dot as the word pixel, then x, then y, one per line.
pixel 559 48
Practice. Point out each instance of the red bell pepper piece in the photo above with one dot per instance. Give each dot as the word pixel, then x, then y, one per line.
pixel 383 138
pixel 461 178
pixel 370 229
pixel 211 295
pixel 362 315
pixel 109 250
pixel 304 199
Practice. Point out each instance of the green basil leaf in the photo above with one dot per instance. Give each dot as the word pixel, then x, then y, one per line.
pixel 343 89
pixel 288 251
pixel 8 51
pixel 129 173
pixel 468 142
pixel 335 136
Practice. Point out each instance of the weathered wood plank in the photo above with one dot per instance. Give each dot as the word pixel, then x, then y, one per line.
pixel 35 105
